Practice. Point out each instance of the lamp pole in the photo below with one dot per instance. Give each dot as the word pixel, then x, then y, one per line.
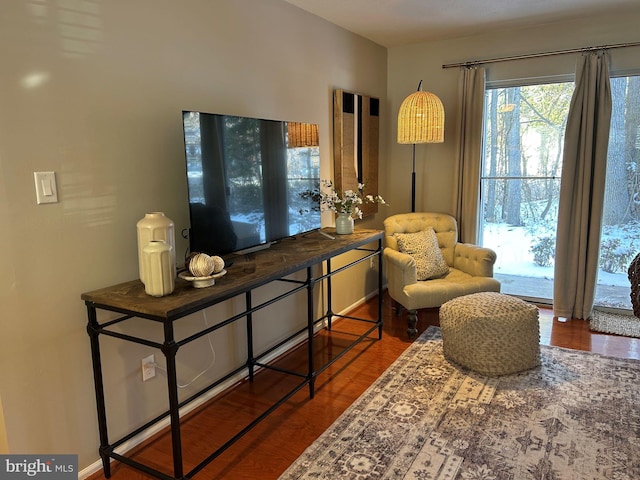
pixel 413 169
pixel 413 181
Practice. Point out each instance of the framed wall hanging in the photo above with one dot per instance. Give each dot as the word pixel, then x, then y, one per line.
pixel 356 130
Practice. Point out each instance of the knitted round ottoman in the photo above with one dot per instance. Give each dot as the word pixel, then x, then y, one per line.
pixel 491 333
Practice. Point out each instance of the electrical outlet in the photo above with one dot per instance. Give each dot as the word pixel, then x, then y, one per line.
pixel 371 262
pixel 148 367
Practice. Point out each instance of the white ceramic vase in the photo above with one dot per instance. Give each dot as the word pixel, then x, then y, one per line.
pixel 344 224
pixel 158 268
pixel 155 226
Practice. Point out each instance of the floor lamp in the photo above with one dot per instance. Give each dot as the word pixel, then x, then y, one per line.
pixel 420 120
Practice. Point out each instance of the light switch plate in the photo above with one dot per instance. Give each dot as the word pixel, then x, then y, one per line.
pixel 46 190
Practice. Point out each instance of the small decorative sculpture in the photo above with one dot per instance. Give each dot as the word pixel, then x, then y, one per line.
pixel 202 270
pixel 202 265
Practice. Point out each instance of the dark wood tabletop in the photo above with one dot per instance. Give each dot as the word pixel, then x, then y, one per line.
pixel 246 273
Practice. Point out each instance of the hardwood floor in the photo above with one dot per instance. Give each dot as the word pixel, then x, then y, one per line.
pixel 268 449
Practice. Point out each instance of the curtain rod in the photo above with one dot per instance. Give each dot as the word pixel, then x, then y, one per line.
pixel 543 54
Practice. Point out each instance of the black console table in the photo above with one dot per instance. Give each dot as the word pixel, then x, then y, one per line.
pixel 280 261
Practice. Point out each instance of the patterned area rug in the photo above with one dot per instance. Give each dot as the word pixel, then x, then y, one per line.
pixel 626 325
pixel 574 417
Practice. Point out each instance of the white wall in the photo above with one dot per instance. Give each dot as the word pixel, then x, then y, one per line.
pixel 409 64
pixel 93 90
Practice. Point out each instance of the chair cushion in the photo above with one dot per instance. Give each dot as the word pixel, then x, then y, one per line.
pixel 423 247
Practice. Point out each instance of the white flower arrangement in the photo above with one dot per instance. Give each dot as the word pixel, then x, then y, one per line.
pixel 347 202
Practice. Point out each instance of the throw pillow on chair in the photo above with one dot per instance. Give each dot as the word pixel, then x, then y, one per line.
pixel 423 247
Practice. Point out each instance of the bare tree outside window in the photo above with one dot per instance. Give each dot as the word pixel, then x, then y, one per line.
pixel 524 135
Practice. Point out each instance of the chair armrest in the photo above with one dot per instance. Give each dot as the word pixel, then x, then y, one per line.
pixel 401 271
pixel 474 260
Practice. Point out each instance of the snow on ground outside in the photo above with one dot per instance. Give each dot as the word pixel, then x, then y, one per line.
pixel 512 246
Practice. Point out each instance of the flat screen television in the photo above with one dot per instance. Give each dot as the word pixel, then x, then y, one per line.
pixel 250 181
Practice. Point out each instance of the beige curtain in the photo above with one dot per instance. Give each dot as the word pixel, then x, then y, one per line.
pixel 582 188
pixel 469 158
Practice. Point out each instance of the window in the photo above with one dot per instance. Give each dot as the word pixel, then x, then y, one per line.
pixel 620 238
pixel 520 185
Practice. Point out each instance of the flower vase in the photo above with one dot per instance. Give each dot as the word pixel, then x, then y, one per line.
pixel 344 224
pixel 155 226
pixel 158 268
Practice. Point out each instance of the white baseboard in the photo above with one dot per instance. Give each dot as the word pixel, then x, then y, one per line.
pixel 148 433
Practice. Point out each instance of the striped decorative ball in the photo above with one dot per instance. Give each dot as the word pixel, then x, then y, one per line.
pixel 218 264
pixel 201 265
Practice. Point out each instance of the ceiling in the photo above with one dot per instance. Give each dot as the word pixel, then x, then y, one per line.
pixel 392 23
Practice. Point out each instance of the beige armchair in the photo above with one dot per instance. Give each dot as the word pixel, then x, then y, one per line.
pixel 470 267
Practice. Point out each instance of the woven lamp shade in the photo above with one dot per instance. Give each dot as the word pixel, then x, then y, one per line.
pixel 303 135
pixel 421 119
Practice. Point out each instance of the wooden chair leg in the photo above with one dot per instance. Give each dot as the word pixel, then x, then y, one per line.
pixel 412 321
pixel 398 308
